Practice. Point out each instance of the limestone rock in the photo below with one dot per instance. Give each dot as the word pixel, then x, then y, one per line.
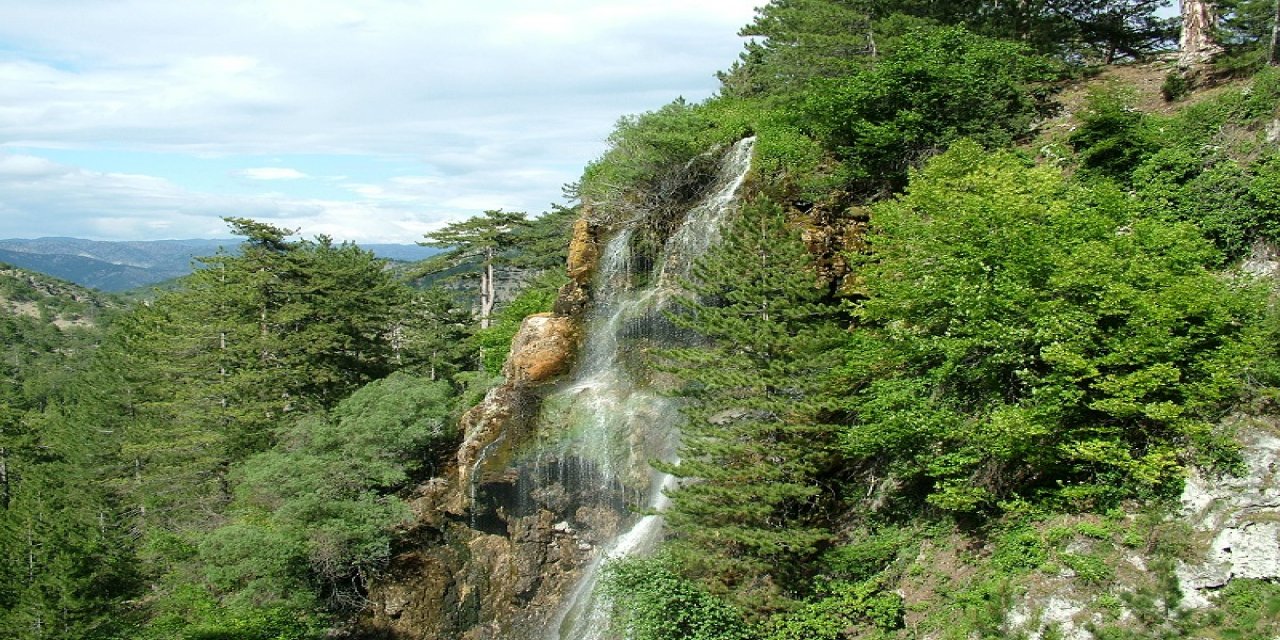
pixel 482 428
pixel 1263 261
pixel 572 300
pixel 1241 515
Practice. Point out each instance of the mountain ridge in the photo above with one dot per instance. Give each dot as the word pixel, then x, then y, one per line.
pixel 117 266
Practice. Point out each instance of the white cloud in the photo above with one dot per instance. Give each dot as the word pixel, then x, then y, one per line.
pixel 271 173
pixel 493 103
pixel 27 166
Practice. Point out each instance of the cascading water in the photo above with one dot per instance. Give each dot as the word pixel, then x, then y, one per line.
pixel 618 422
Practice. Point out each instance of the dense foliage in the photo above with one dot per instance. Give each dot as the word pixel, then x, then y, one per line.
pixel 1026 337
pixel 1011 343
pixel 757 440
pixel 946 348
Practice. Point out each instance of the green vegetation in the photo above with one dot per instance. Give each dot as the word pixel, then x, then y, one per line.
pixel 228 460
pixel 1009 350
pixel 1049 335
pixel 929 381
pixel 756 440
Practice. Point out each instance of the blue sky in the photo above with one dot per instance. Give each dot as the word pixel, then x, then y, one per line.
pixel 373 121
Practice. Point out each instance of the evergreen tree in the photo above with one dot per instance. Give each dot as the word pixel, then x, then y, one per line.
pixel 203 378
pixel 433 336
pixel 544 242
pixel 795 41
pixel 758 436
pixel 940 85
pixel 482 241
pixel 67 561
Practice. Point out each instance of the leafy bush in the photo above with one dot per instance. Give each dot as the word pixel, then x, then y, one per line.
pixel 313 517
pixel 939 86
pixel 830 616
pixel 651 601
pixel 1019 549
pixel 1028 338
pixel 1250 609
pixel 192 613
pixel 655 162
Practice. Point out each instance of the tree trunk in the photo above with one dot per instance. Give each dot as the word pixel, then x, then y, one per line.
pixel 1273 54
pixel 4 479
pixel 486 289
pixel 1197 45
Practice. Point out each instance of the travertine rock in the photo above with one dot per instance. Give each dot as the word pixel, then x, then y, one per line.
pixel 584 252
pixel 542 349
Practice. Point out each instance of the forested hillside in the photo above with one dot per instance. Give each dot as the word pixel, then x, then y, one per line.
pixel 983 308
pixel 225 460
pixel 1028 325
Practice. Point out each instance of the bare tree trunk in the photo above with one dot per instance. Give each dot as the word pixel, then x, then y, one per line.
pixel 4 479
pixel 1197 44
pixel 1273 54
pixel 486 290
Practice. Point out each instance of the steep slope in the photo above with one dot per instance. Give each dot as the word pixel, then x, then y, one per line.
pixel 25 293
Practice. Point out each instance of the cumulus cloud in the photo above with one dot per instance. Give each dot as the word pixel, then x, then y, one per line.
pixel 462 106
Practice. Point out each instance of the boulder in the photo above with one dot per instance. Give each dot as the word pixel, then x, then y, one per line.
pixel 542 349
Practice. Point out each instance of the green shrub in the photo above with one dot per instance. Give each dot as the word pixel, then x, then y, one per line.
pixel 847 604
pixel 1112 138
pixel 655 160
pixel 865 558
pixel 1249 610
pixel 651 601
pixel 1024 337
pixel 1175 86
pixel 1018 550
pixel 939 86
pixel 1089 568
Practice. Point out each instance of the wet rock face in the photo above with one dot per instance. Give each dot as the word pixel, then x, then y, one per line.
pixel 476 586
pixel 543 349
pixel 584 255
pixel 478 566
pixel 1241 517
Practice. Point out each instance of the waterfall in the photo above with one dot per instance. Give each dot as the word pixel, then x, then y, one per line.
pixel 617 421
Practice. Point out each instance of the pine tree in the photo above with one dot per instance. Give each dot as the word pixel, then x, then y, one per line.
pixel 795 41
pixel 481 240
pixel 66 558
pixel 434 335
pixel 203 378
pixel 757 438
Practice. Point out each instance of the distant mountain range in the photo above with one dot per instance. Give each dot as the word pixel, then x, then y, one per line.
pixel 121 266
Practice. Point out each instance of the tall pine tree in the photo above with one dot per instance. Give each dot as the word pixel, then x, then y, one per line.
pixel 757 437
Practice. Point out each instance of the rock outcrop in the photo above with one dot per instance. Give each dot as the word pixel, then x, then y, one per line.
pixel 1240 518
pixel 542 349
pixel 478 561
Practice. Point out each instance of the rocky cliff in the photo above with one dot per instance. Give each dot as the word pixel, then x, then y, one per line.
pixel 483 559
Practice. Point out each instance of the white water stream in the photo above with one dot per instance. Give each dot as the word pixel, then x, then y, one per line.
pixel 620 422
